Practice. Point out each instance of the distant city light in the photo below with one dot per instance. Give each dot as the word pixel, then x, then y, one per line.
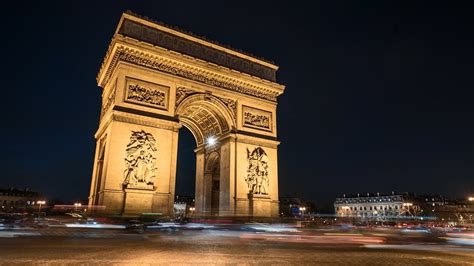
pixel 40 202
pixel 471 198
pixel 211 140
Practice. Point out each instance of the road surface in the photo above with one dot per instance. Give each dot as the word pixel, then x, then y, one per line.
pixel 210 247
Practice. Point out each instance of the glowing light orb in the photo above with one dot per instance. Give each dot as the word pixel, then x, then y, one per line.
pixel 211 140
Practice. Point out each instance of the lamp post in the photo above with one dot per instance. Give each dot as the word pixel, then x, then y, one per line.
pixel 407 206
pixel 40 202
pixel 302 209
pixel 77 205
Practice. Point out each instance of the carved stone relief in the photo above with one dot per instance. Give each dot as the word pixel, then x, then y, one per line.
pixel 231 105
pixel 138 58
pixel 257 172
pixel 109 101
pixel 146 93
pixel 140 161
pixel 256 118
pixel 182 93
pixel 172 42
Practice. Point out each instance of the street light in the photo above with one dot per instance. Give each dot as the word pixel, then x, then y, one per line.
pixel 77 205
pixel 192 209
pixel 302 209
pixel 470 199
pixel 407 205
pixel 40 202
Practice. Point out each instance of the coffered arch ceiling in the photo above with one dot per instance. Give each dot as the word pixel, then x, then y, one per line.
pixel 206 116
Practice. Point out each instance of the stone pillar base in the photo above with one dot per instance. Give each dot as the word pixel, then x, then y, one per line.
pixel 260 205
pixel 137 201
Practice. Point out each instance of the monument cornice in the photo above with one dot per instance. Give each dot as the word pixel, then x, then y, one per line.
pixel 169 37
pixel 124 49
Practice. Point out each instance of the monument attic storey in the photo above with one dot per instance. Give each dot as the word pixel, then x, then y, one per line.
pixel 156 79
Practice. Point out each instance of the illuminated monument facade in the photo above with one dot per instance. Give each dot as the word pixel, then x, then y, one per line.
pixel 156 79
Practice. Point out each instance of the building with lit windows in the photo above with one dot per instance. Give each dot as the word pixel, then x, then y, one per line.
pixel 377 205
pixel 12 199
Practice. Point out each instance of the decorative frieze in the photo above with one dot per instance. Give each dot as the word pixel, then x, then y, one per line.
pixel 146 93
pixel 167 66
pixel 256 118
pixel 257 171
pixel 140 161
pixel 170 41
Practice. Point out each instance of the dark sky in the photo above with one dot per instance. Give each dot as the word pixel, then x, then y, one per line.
pixel 379 94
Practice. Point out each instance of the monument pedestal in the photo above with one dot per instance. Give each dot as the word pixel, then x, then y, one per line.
pixel 260 205
pixel 137 201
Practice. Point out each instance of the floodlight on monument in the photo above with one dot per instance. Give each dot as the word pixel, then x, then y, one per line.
pixel 211 140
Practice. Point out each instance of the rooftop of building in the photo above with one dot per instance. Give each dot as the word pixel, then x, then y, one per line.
pixel 377 194
pixel 11 191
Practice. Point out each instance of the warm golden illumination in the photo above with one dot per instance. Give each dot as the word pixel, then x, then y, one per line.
pixel 151 89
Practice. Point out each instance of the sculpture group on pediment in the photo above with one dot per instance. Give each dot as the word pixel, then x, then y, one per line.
pixel 257 172
pixel 140 161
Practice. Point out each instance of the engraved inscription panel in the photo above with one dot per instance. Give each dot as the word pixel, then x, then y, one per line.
pixel 146 93
pixel 256 118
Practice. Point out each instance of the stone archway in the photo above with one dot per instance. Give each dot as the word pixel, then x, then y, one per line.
pixel 205 116
pixel 208 118
pixel 156 80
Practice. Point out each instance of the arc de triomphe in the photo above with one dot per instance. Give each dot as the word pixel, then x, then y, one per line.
pixel 155 80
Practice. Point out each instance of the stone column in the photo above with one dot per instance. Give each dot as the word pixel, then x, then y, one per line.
pixel 199 200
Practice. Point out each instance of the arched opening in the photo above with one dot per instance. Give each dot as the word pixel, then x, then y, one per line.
pixel 212 174
pixel 185 167
pixel 100 170
pixel 208 119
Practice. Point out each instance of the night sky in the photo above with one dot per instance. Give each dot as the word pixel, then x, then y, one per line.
pixel 379 95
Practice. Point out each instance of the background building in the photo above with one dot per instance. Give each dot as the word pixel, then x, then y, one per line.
pixel 382 207
pixel 12 199
pixel 379 206
pixel 183 206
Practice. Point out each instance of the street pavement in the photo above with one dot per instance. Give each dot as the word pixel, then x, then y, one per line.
pixel 216 247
